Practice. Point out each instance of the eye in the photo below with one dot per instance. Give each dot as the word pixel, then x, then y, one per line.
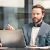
pixel 38 13
pixel 33 13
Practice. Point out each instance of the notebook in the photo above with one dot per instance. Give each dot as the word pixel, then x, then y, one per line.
pixel 10 38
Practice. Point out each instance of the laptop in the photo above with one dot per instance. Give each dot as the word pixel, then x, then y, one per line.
pixel 14 38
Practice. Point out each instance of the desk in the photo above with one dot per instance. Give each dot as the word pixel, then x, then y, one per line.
pixel 6 48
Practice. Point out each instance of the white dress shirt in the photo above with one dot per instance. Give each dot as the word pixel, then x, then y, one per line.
pixel 34 34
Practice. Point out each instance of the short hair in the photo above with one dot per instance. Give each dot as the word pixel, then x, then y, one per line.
pixel 39 6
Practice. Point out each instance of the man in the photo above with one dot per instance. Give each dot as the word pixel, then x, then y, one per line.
pixel 37 33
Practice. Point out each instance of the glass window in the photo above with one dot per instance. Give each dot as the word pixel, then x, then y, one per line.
pixel 12 14
pixel 1 18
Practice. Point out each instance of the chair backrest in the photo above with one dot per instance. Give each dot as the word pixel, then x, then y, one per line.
pixel 12 38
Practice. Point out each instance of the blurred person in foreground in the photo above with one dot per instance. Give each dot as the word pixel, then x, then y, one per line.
pixel 37 33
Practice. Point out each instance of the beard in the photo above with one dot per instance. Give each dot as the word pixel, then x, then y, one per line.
pixel 36 20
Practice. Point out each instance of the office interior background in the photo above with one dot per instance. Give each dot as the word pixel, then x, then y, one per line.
pixel 18 12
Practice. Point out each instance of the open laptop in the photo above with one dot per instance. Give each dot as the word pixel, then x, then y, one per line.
pixel 10 38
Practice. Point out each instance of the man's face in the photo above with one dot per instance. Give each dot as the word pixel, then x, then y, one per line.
pixel 37 14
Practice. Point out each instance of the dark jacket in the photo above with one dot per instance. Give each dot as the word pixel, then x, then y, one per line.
pixel 43 38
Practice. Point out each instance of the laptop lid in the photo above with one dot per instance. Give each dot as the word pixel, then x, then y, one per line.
pixel 13 38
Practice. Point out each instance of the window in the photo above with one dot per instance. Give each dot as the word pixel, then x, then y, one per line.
pixel 12 12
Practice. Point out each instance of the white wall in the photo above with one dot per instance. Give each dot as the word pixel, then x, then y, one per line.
pixel 44 3
pixel 12 3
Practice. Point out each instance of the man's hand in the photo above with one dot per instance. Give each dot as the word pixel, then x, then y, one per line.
pixel 0 44
pixel 9 27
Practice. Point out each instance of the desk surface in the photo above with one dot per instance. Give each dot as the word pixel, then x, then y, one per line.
pixel 6 48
